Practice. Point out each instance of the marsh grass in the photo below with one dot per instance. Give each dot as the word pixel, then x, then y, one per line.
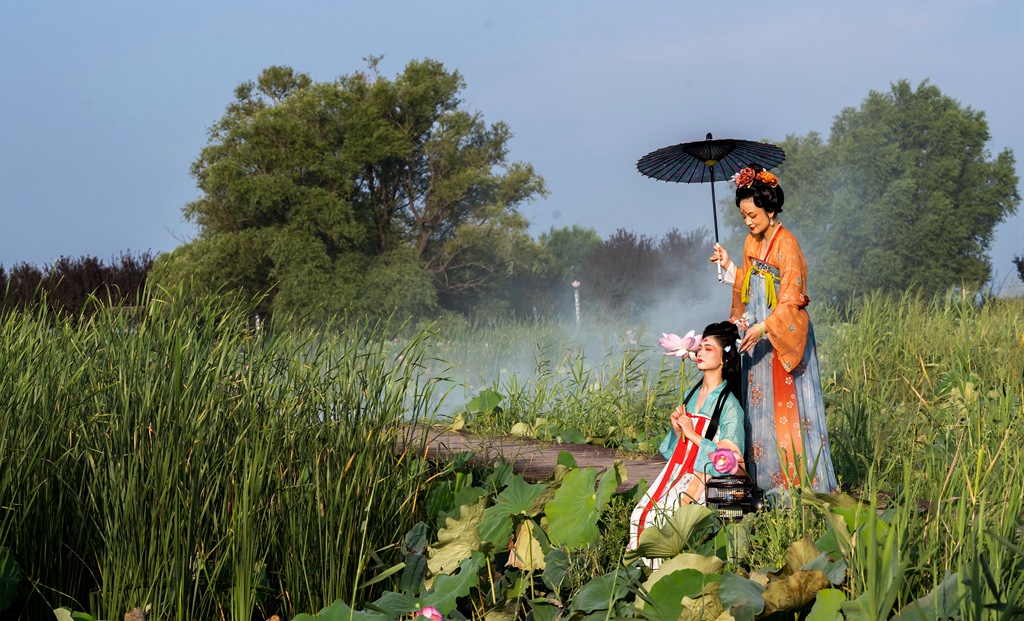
pixel 172 458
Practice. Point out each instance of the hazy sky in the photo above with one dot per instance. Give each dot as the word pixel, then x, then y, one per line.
pixel 107 104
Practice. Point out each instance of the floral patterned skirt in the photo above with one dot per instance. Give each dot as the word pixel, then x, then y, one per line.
pixel 771 418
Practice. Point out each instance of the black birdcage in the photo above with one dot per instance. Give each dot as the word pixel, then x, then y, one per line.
pixel 733 496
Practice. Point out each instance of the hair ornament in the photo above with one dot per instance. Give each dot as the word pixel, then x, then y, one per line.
pixel 767 178
pixel 727 349
pixel 746 177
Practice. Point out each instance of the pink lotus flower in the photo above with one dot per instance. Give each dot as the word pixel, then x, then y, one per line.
pixel 431 613
pixel 680 346
pixel 724 461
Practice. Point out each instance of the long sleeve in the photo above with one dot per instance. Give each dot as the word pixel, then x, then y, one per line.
pixel 740 275
pixel 787 325
pixel 730 427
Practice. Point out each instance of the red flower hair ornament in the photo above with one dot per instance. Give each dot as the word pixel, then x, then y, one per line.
pixel 746 177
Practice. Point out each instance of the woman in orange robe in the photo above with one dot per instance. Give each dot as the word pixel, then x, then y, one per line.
pixel 787 437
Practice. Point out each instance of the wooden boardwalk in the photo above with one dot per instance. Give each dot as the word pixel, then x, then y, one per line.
pixel 534 460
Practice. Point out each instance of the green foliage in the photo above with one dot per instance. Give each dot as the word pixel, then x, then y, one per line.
pixel 170 457
pixel 362 195
pixel 574 512
pixel 903 195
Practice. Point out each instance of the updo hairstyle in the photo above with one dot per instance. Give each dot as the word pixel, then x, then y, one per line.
pixel 726 334
pixel 765 196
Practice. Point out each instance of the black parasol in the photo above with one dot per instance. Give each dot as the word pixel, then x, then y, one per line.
pixel 706 160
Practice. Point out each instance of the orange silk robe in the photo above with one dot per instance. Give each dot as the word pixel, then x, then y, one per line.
pixel 787 324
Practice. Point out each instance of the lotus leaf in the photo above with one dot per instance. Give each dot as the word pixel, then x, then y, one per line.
pixel 565 458
pixel 339 611
pixel 447 589
pixel 516 499
pixel 666 596
pixel 826 606
pixel 457 540
pixel 835 571
pixel 687 527
pixel 941 602
pixel 795 591
pixel 556 565
pixel 485 402
pixel 708 565
pixel 545 612
pixel 602 592
pixel 742 597
pixel 526 552
pixel 574 511
pixel 800 552
pixel 521 430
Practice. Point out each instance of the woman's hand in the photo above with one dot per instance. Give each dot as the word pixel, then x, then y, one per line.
pixel 720 256
pixel 684 426
pixel 752 336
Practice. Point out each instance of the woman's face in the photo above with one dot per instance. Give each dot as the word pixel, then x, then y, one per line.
pixel 709 355
pixel 754 217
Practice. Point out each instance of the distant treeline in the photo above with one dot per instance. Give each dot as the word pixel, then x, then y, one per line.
pixel 72 286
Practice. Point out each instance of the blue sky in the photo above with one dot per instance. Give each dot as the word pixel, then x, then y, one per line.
pixel 107 104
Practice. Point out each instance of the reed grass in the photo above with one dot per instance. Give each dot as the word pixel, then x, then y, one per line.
pixel 172 459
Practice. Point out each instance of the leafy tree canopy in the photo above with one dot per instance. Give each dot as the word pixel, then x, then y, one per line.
pixel 903 194
pixel 363 194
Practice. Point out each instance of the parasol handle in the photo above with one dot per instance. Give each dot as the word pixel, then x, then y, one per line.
pixel 714 212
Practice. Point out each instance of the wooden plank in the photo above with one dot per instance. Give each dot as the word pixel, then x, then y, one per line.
pixel 533 459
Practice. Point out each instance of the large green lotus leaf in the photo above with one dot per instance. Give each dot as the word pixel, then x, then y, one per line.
pixel 567 459
pixel 799 553
pixel 710 565
pixel 573 512
pixel 339 611
pixel 602 592
pixel 447 589
pixel 457 540
pixel 941 603
pixel 826 606
pixel 665 598
pixel 835 571
pixel 516 499
pixel 741 596
pixel 526 553
pixel 794 592
pixel 556 566
pixel 684 530
pixel 10 575
pixel 545 612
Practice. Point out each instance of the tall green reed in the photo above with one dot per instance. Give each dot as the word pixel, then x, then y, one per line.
pixel 169 458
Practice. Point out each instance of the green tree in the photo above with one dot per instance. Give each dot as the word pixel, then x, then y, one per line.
pixel 363 194
pixel 903 195
pixel 569 248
